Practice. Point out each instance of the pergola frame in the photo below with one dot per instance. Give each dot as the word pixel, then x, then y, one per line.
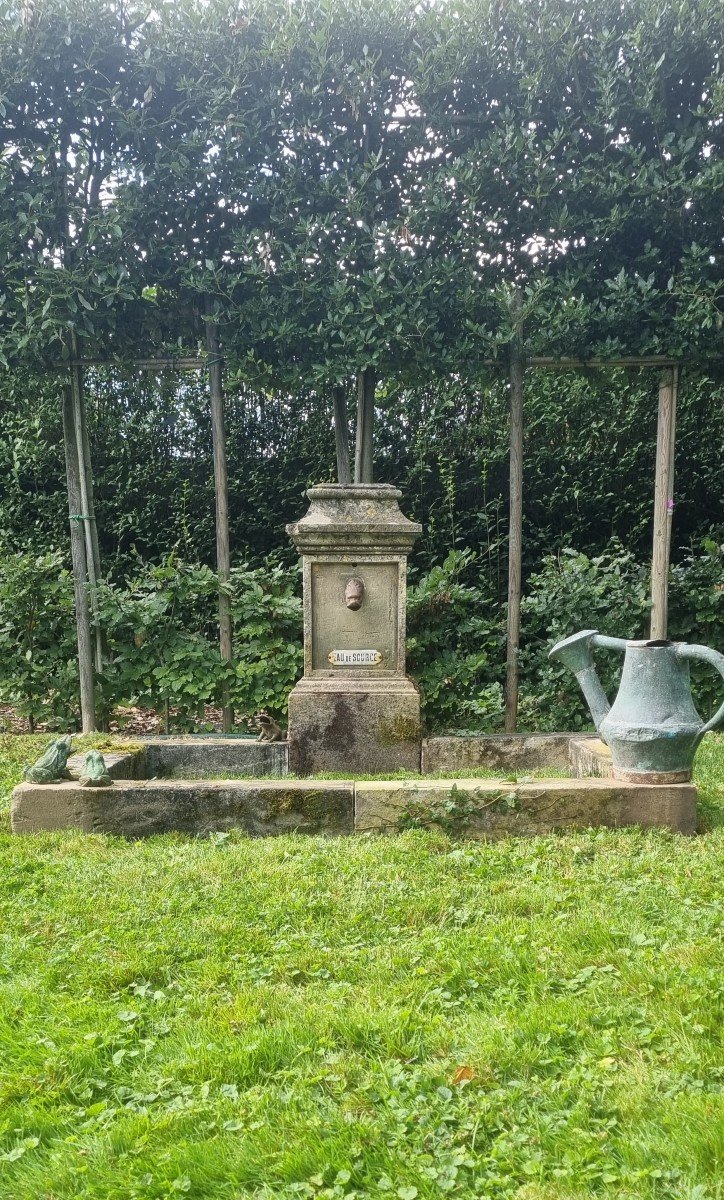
pixel 663 499
pixel 518 364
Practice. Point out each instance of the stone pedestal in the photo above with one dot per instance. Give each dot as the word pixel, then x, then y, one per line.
pixel 354 709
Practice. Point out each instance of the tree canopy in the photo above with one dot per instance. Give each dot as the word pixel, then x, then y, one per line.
pixel 352 184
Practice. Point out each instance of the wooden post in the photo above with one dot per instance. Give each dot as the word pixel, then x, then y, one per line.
pixel 341 435
pixel 221 489
pixel 86 507
pixel 78 557
pixel 663 502
pixel 82 455
pixel 366 380
pixel 363 468
pixel 515 534
pixel 90 491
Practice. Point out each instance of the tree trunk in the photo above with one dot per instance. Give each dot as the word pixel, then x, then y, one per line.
pixel 363 469
pixel 341 435
pixel 663 502
pixel 78 557
pixel 221 488
pixel 515 535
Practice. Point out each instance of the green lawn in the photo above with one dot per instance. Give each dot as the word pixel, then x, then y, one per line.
pixel 370 1017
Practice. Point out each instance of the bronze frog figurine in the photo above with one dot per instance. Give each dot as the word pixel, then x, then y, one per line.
pixel 95 771
pixel 51 766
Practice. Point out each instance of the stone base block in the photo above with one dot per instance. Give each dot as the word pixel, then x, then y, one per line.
pixel 513 752
pixel 198 757
pixel 486 808
pixel 494 808
pixel 120 764
pixel 365 726
pixel 135 809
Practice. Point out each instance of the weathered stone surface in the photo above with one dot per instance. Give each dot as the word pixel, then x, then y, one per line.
pixel 140 808
pixel 377 625
pixel 591 756
pixel 197 758
pixel 541 807
pixel 121 764
pixel 355 517
pixel 354 532
pixel 513 752
pixel 354 726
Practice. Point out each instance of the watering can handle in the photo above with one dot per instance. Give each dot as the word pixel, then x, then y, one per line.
pixel 715 659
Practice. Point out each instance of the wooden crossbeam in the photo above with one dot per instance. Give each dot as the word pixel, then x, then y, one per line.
pixel 197 363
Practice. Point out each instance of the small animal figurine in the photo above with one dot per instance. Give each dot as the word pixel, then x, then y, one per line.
pixel 269 730
pixel 95 771
pixel 51 766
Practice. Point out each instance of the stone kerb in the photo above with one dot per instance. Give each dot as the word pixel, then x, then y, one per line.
pixel 591 756
pixel 491 808
pixel 495 808
pixel 141 808
pixel 192 758
pixel 505 751
pixel 136 806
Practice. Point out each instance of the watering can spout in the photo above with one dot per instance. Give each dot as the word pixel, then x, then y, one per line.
pixel 576 653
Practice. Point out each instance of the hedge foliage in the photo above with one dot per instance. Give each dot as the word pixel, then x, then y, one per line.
pixel 341 185
pixel 352 183
pixel 162 649
pixel 589 449
pixel 161 646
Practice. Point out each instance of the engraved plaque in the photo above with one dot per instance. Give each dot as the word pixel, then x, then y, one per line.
pixel 355 658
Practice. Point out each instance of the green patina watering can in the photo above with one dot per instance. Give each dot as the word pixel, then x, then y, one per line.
pixel 652 728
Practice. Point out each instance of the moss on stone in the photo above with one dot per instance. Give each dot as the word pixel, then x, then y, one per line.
pixel 309 803
pixel 400 729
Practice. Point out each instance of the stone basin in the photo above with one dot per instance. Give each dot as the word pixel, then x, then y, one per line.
pixel 199 786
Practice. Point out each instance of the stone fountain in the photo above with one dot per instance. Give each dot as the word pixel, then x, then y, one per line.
pixel 353 713
pixel 354 708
